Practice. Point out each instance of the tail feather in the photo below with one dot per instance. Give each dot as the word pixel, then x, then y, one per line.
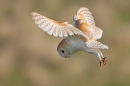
pixel 96 44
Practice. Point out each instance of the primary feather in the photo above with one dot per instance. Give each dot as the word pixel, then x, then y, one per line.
pixel 55 28
pixel 84 14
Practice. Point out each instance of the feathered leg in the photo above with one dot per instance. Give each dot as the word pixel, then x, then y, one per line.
pixel 98 53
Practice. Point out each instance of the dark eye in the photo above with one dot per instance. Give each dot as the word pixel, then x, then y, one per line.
pixel 62 51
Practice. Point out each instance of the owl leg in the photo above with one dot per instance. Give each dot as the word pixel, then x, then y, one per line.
pixel 103 60
pixel 98 53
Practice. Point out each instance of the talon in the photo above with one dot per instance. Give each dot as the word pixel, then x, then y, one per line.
pixel 103 62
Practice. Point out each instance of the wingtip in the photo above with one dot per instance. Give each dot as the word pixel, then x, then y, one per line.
pixel 106 47
pixel 32 13
pixel 83 7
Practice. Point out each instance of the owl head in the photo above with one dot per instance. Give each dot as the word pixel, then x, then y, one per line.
pixel 64 52
pixel 64 49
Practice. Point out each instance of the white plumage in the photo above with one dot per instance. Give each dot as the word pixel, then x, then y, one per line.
pixel 81 37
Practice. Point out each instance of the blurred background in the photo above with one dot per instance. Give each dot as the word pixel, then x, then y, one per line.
pixel 28 55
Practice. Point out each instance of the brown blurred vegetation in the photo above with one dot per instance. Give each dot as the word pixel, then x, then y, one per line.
pixel 28 56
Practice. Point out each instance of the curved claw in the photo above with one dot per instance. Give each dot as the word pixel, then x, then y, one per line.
pixel 103 61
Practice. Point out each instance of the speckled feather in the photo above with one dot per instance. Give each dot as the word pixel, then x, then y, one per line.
pixel 55 28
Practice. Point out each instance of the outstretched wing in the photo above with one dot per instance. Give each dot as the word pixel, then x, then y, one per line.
pixel 55 28
pixel 87 14
pixel 94 31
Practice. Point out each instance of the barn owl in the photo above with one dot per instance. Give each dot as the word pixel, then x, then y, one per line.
pixel 80 37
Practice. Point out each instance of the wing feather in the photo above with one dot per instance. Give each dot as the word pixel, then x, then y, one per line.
pixel 95 31
pixel 47 26
pixel 55 28
pixel 96 44
pixel 64 32
pixel 50 32
pixel 55 31
pixel 60 32
pixel 87 14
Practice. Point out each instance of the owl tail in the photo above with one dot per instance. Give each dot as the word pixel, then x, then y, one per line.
pixel 96 44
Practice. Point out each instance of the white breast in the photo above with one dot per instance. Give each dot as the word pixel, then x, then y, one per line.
pixel 75 43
